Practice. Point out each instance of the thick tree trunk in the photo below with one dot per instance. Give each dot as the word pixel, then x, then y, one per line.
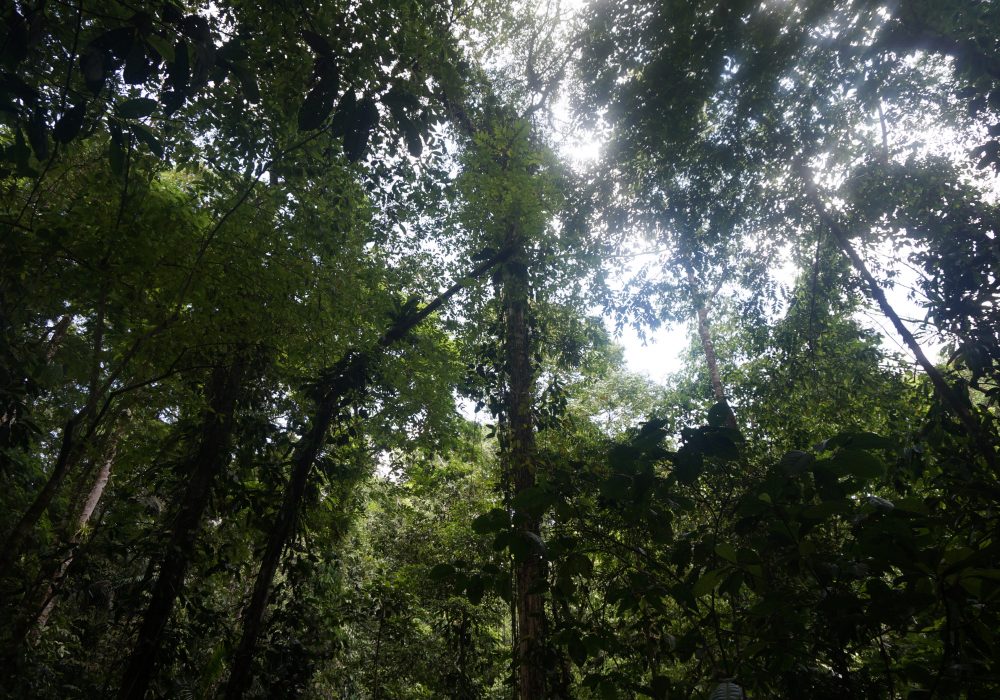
pixel 708 346
pixel 530 571
pixel 213 452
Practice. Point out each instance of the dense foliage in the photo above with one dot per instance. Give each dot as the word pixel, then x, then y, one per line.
pixel 308 386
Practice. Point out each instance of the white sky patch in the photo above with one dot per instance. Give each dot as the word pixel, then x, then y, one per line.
pixel 661 354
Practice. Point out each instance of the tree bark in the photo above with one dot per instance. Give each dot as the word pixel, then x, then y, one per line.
pixel 521 456
pixel 58 335
pixel 708 346
pixel 213 453
pixel 76 529
pixel 339 386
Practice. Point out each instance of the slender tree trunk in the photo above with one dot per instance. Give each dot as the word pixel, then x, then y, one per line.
pixel 69 453
pixel 376 683
pixel 212 454
pixel 530 571
pixel 253 618
pixel 944 390
pixel 508 488
pixel 76 529
pixel 58 335
pixel 341 384
pixel 708 346
pixel 70 448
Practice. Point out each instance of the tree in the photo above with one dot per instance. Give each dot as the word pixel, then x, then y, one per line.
pixel 728 64
pixel 256 259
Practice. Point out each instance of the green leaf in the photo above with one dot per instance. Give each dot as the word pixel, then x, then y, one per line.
pixel 708 582
pixel 533 500
pixel 93 66
pixel 38 134
pixel 414 144
pixel 147 137
pixel 859 463
pixel 577 650
pixel 316 108
pixel 726 551
pixel 524 544
pixel 136 108
pixel 615 487
pixel 720 414
pixel 796 462
pixel 248 82
pixel 343 118
pixel 660 687
pixel 858 441
pixel 688 466
pixel 116 150
pixel 358 133
pixel 138 67
pixel 825 509
pixel 179 70
pixel 580 564
pixel 440 572
pixel 70 123
pixel 494 520
pixel 536 542
pixel 475 589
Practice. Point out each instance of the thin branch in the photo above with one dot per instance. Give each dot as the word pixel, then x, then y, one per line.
pixel 944 390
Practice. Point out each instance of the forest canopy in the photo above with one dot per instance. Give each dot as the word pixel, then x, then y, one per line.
pixel 311 374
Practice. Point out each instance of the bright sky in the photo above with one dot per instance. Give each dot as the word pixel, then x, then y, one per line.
pixel 661 352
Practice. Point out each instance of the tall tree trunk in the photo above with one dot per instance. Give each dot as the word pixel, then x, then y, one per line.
pixel 339 385
pixel 707 345
pixel 521 456
pixel 212 454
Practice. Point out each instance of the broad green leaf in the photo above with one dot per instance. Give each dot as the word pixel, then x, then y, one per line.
pixel 577 563
pixel 475 589
pixel 616 487
pixel 726 551
pixel 316 108
pixel 796 462
pixel 440 572
pixel 708 582
pixel 136 108
pixel 533 500
pixel 859 463
pixel 70 123
pixel 494 520
pixel 147 137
